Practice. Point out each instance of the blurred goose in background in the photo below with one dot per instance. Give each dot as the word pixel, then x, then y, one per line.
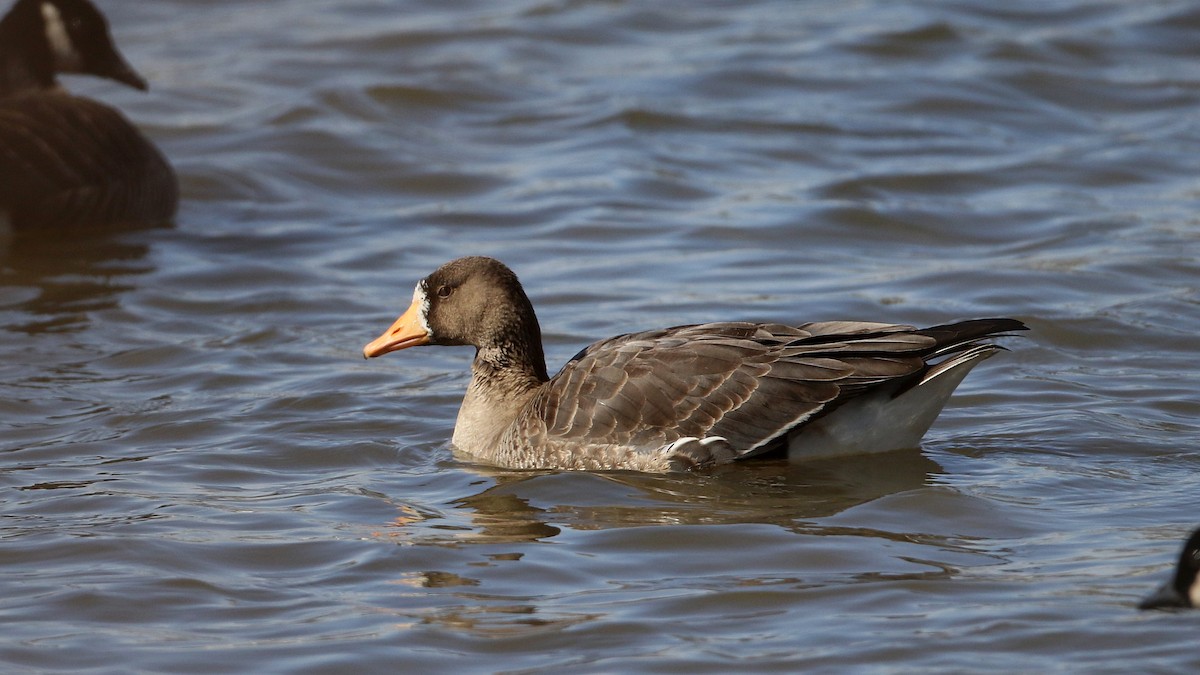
pixel 1183 590
pixel 67 160
pixel 684 397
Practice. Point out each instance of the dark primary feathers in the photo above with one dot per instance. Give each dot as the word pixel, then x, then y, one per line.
pixel 68 160
pixel 686 396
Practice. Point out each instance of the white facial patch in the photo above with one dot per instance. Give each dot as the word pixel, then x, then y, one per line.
pixel 66 59
pixel 1194 592
pixel 420 298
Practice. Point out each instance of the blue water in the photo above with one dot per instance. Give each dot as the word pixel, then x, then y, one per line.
pixel 200 473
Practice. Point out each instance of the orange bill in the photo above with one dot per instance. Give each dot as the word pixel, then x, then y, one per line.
pixel 408 331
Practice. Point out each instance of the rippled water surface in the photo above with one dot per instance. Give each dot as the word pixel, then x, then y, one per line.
pixel 200 473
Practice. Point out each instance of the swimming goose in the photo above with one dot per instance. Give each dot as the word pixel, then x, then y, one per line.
pixel 683 397
pixel 1183 590
pixel 68 160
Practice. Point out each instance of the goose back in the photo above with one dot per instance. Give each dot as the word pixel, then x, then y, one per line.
pixel 695 395
pixel 71 161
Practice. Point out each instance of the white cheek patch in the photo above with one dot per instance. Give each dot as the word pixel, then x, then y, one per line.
pixel 66 59
pixel 1194 592
pixel 420 298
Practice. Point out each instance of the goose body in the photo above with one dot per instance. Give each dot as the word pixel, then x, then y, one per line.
pixel 683 397
pixel 1183 589
pixel 69 161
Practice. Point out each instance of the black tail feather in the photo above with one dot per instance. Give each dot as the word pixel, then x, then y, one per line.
pixel 964 332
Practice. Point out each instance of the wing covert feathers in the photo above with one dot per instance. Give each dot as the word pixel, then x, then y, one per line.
pixel 748 385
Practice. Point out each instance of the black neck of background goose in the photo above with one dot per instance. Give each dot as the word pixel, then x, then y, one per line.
pixel 1189 566
pixel 26 63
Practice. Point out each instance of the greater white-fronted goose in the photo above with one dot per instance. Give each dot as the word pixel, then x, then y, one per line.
pixel 67 160
pixel 683 397
pixel 1183 590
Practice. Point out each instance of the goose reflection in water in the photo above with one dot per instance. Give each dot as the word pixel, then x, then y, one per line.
pixel 531 506
pixel 60 281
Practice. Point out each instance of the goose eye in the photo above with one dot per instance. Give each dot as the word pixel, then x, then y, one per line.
pixel 444 291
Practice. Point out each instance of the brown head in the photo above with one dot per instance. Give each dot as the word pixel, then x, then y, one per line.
pixel 475 301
